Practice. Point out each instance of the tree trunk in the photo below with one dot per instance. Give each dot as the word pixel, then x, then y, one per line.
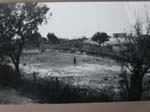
pixel 18 75
pixel 135 90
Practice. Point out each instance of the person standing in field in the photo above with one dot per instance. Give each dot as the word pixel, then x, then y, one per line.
pixel 74 61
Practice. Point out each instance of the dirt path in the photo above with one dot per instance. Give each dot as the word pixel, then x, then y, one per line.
pixel 11 96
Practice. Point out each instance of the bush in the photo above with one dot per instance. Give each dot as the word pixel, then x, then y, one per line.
pixel 124 85
pixel 55 90
pixel 7 75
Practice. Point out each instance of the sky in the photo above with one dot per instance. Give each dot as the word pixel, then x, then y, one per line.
pixel 77 19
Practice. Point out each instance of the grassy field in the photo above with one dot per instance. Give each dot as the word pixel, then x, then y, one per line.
pixel 92 78
pixel 93 71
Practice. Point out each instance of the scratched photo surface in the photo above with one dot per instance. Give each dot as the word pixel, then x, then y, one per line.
pixel 74 52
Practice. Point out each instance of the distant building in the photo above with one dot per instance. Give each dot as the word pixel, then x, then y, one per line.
pixel 115 42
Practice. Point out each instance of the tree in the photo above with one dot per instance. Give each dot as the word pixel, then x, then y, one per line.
pixel 53 38
pixel 3 51
pixel 34 41
pixel 100 37
pixel 134 56
pixel 19 21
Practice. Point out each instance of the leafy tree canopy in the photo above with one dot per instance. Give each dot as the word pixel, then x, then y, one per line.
pixel 53 38
pixel 100 37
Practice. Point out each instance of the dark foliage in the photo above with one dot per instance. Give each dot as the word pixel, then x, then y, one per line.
pixel 100 37
pixel 7 75
pixel 55 90
pixel 52 38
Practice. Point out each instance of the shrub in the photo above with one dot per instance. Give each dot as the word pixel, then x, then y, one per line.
pixel 7 75
pixel 55 90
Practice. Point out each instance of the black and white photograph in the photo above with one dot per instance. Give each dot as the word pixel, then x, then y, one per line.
pixel 74 52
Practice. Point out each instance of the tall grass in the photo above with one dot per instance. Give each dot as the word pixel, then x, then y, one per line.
pixel 56 90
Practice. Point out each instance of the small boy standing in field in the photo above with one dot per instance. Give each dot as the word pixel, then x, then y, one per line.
pixel 74 61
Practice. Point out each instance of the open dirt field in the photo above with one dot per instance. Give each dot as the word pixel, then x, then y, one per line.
pixel 89 70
